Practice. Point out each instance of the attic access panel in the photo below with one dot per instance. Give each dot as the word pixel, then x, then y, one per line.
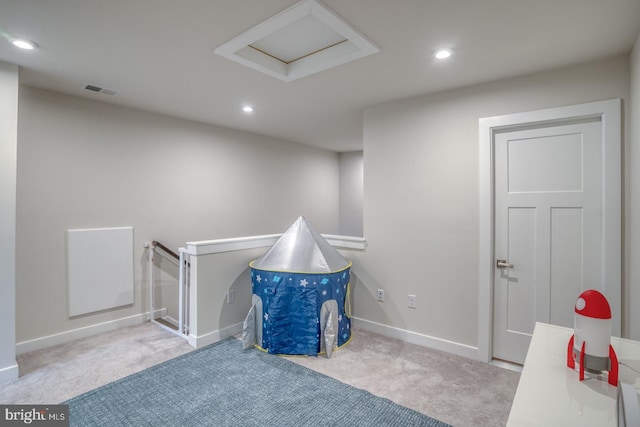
pixel 305 39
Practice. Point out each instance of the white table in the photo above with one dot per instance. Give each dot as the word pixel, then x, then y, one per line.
pixel 550 393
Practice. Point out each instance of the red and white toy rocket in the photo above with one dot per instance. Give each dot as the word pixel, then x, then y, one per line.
pixel 591 342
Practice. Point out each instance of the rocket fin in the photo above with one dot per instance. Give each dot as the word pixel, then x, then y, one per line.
pixel 613 370
pixel 582 362
pixel 571 362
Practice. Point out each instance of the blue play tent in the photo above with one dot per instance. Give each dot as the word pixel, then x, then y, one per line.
pixel 301 296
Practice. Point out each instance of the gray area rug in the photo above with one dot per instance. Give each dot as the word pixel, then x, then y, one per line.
pixel 220 385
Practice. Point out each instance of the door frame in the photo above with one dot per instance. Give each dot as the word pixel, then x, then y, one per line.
pixel 609 112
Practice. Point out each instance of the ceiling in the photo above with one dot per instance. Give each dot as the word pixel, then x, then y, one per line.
pixel 159 55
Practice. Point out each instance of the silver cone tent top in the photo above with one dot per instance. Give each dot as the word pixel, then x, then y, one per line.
pixel 301 296
pixel 301 249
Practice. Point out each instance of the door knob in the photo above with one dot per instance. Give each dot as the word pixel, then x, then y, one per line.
pixel 502 263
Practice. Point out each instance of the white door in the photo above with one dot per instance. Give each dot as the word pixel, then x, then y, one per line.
pixel 549 228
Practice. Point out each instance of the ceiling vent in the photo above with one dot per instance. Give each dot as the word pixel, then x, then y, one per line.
pixel 302 40
pixel 102 90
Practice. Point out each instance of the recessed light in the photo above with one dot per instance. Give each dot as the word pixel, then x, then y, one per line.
pixel 442 53
pixel 23 44
pixel 247 109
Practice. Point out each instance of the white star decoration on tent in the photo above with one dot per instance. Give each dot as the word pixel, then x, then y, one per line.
pixel 259 279
pixel 304 283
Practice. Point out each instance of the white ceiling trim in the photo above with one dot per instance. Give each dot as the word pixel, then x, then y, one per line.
pixel 354 46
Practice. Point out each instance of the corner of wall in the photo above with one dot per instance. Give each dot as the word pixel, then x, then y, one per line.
pixel 632 163
pixel 351 184
pixel 8 169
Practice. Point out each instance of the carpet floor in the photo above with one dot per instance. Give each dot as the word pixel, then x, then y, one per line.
pixel 453 389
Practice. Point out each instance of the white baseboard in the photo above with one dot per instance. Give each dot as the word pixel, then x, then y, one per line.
pixel 9 373
pixel 215 336
pixel 417 338
pixel 86 331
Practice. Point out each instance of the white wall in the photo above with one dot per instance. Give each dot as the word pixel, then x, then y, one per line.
pixel 632 288
pixel 84 164
pixel 421 194
pixel 8 145
pixel 212 276
pixel 351 190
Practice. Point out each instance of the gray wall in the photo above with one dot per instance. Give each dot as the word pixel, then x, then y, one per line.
pixel 89 164
pixel 421 195
pixel 351 190
pixel 632 288
pixel 8 146
pixel 85 164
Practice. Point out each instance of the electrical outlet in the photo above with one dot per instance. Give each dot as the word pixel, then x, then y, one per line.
pixel 231 296
pixel 412 301
pixel 380 295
